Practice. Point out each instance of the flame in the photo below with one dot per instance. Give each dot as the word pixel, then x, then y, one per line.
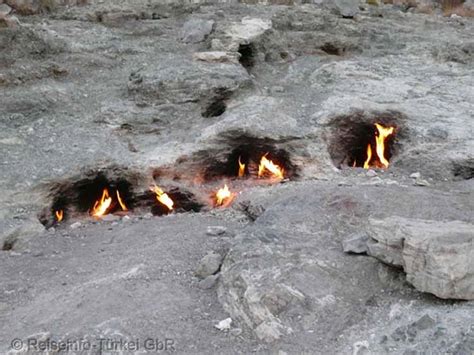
pixel 380 137
pixel 384 132
pixel 162 197
pixel 266 164
pixel 369 156
pixel 101 206
pixel 59 215
pixel 223 196
pixel 124 208
pixel 241 169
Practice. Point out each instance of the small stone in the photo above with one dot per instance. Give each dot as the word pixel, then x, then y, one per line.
pixel 217 57
pixel 215 230
pixel 371 173
pixel 5 9
pixel 235 332
pixel 224 325
pixel 110 218
pixel 209 282
pixel 126 218
pixel 347 8
pixel 209 265
pixel 148 215
pixel 75 225
pixel 360 347
pixel 424 323
pixel 277 89
pixel 356 244
pixel 196 30
pixel 416 175
pixel 421 182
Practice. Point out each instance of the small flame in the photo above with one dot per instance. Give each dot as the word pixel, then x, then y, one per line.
pixel 241 169
pixel 270 166
pixel 380 137
pixel 223 196
pixel 162 197
pixel 59 215
pixel 369 157
pixel 122 205
pixel 101 206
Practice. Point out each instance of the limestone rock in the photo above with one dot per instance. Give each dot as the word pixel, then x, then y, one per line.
pixel 209 265
pixel 437 257
pixel 347 8
pixel 172 81
pixel 196 30
pixel 248 30
pixel 5 9
pixel 17 238
pixel 217 57
pixel 356 244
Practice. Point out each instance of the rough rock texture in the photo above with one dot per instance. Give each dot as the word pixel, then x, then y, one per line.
pixel 438 257
pixel 196 30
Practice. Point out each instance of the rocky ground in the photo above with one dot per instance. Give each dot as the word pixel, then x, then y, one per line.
pixel 333 259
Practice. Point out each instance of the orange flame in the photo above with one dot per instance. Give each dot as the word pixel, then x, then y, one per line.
pixel 223 196
pixel 59 215
pixel 241 169
pixel 162 197
pixel 270 166
pixel 369 157
pixel 122 205
pixel 101 206
pixel 382 134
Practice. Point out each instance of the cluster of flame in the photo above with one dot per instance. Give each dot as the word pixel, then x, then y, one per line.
pixel 102 206
pixel 223 196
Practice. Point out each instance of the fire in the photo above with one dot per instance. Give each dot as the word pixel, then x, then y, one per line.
pixel 122 205
pixel 384 132
pixel 268 165
pixel 380 137
pixel 101 206
pixel 162 197
pixel 369 157
pixel 59 215
pixel 223 196
pixel 241 169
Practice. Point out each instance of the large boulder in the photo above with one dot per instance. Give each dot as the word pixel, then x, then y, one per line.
pixel 437 257
pixel 186 81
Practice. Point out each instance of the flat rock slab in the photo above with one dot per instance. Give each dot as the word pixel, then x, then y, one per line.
pixel 438 257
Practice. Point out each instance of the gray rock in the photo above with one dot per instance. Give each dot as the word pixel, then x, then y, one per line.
pixel 215 230
pixel 347 8
pixel 371 173
pixel 5 9
pixel 17 238
pixel 416 175
pixel 217 57
pixel 196 30
pixel 421 182
pixel 209 265
pixel 209 282
pixel 437 257
pixel 75 225
pixel 186 81
pixel 424 323
pixel 356 244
